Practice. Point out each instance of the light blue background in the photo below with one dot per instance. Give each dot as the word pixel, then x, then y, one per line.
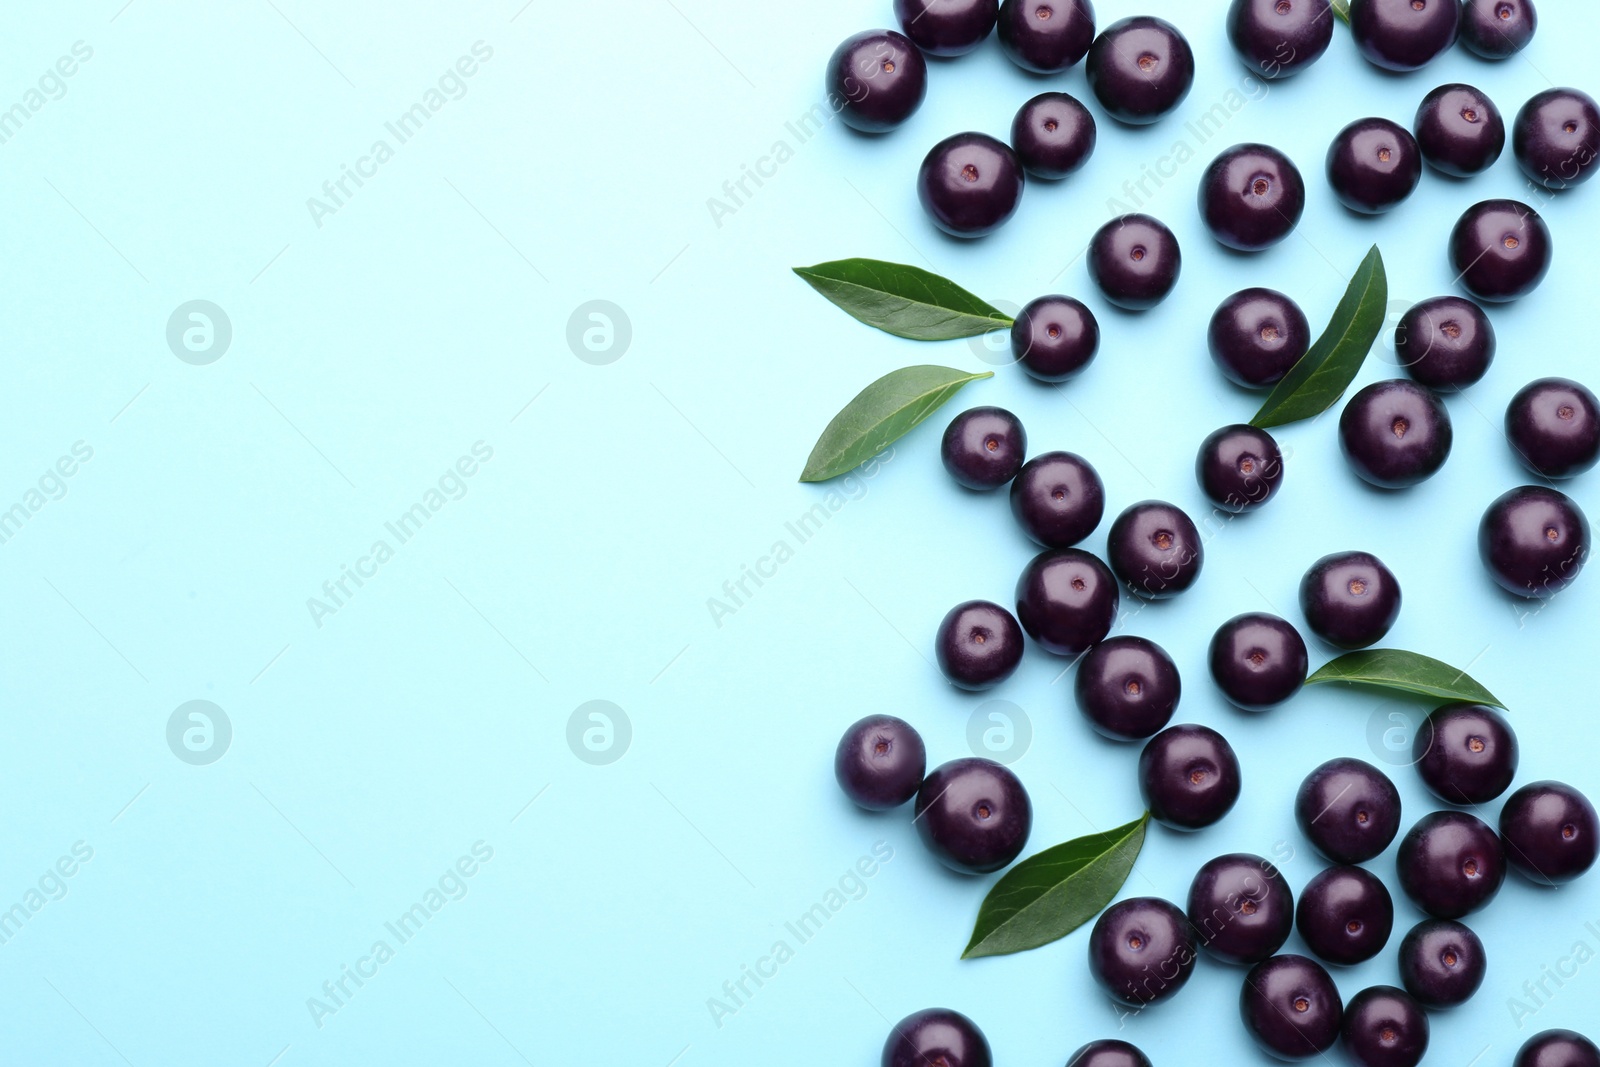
pixel 430 313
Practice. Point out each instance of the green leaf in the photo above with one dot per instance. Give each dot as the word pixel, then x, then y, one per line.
pixel 1047 896
pixel 1319 379
pixel 905 301
pixel 1342 9
pixel 1405 672
pixel 880 415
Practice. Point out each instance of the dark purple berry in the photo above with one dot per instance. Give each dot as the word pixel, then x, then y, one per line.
pixel 937 1037
pixel 1291 1007
pixel 1155 549
pixel 1551 832
pixel 1189 777
pixel 1345 915
pixel 1446 343
pixel 1374 164
pixel 984 448
pixel 1451 864
pixel 1556 138
pixel 1350 599
pixel 946 27
pixel 1459 130
pixel 1127 687
pixel 1140 68
pixel 1553 425
pixel 1135 260
pixel 1067 601
pixel 1395 433
pixel 879 762
pixel 1141 951
pixel 1500 250
pixel 1239 467
pixel 1466 753
pixel 1251 197
pixel 1403 34
pixel 1256 335
pixel 1053 134
pixel 876 80
pixel 1054 338
pixel 1046 36
pixel 1058 499
pixel 970 184
pixel 973 815
pixel 1497 29
pixel 1348 809
pixel 1534 541
pixel 1384 1027
pixel 1258 660
pixel 1241 908
pixel 1108 1053
pixel 1277 38
pixel 1558 1048
pixel 979 645
pixel 1442 963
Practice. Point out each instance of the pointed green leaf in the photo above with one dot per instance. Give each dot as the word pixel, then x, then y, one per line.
pixel 880 415
pixel 905 301
pixel 1319 379
pixel 1047 896
pixel 1405 672
pixel 1342 9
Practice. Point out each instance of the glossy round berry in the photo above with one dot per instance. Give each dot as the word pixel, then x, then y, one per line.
pixel 973 815
pixel 1256 335
pixel 946 27
pixel 1239 467
pixel 1384 1027
pixel 1189 777
pixel 936 1036
pixel 879 762
pixel 1140 69
pixel 1258 660
pixel 1496 29
pixel 1053 134
pixel 1374 164
pixel 1403 34
pixel 1348 809
pixel 970 184
pixel 1054 338
pixel 1277 38
pixel 1466 753
pixel 1108 1053
pixel 1155 549
pixel 1241 908
pixel 876 80
pixel 1534 541
pixel 1135 260
pixel 979 645
pixel 1556 138
pixel 1058 499
pixel 1459 130
pixel 1553 425
pixel 1127 687
pixel 984 448
pixel 1345 915
pixel 1251 197
pixel 1395 433
pixel 1558 1048
pixel 1291 1007
pixel 1046 36
pixel 1141 951
pixel 1350 599
pixel 1500 250
pixel 1451 864
pixel 1551 832
pixel 1442 963
pixel 1067 601
pixel 1446 343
